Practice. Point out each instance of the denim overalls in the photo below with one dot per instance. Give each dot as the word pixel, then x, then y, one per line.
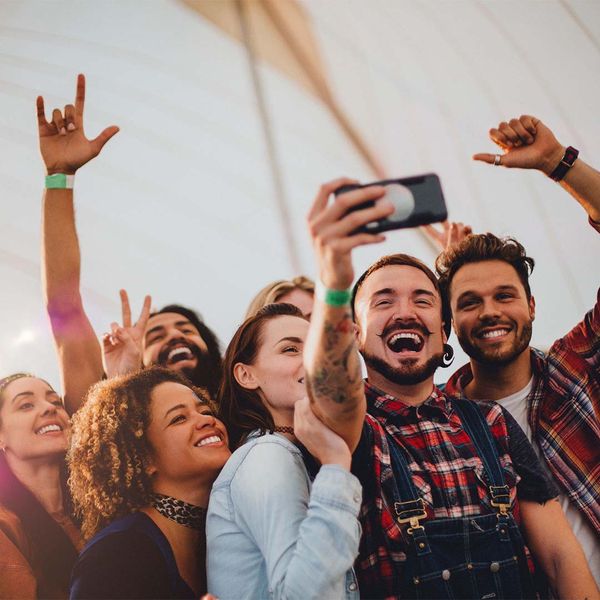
pixel 472 557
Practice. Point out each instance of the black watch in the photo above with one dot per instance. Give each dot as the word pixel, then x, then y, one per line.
pixel 566 162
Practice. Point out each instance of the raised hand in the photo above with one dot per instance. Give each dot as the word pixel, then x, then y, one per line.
pixel 527 144
pixel 63 144
pixel 331 229
pixel 325 445
pixel 451 234
pixel 122 347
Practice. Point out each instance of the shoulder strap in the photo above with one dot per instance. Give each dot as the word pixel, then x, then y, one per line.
pixel 480 433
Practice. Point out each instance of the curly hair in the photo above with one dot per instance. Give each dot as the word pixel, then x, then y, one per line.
pixel 482 247
pixel 243 410
pixel 109 448
pixel 273 292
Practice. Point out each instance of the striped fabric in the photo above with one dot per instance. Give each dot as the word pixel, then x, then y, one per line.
pixel 564 411
pixel 446 470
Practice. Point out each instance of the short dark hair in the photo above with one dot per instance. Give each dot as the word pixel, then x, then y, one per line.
pixel 242 410
pixel 209 337
pixel 479 248
pixel 408 261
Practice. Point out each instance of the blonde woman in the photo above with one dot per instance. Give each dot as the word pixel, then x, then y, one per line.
pixel 298 291
pixel 146 449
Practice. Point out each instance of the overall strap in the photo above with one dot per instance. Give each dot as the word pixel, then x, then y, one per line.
pixel 479 431
pixel 408 505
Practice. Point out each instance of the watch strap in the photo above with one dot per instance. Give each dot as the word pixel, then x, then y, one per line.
pixel 565 163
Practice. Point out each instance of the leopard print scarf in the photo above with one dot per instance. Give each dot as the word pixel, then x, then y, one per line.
pixel 179 511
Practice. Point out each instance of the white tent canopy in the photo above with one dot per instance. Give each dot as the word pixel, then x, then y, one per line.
pixel 184 204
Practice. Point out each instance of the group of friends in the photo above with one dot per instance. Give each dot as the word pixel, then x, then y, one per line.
pixel 275 470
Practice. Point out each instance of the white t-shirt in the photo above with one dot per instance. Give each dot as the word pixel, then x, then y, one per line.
pixel 516 404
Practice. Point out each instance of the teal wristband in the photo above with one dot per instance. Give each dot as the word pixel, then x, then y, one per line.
pixel 60 181
pixel 332 297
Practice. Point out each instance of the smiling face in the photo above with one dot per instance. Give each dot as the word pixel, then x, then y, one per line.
pixel 172 341
pixel 189 444
pixel 33 421
pixel 398 314
pixel 492 316
pixel 277 374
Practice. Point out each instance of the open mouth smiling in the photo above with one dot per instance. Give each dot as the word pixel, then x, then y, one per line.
pixel 493 334
pixel 51 428
pixel 209 440
pixel 405 341
pixel 177 353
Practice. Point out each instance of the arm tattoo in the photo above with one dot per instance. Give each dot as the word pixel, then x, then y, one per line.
pixel 337 374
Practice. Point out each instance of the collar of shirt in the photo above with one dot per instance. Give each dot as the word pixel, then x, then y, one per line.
pixel 463 376
pixel 436 407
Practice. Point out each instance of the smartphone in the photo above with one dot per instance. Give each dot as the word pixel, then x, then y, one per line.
pixel 418 200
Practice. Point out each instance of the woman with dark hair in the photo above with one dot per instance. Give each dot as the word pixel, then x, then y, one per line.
pixel 271 531
pixel 39 540
pixel 146 449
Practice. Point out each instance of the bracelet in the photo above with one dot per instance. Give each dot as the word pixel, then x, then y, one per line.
pixel 60 181
pixel 566 162
pixel 332 297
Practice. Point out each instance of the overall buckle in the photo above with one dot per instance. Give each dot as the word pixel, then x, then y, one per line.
pixel 500 498
pixel 411 511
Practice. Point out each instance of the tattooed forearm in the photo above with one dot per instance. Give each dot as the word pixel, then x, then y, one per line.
pixel 336 375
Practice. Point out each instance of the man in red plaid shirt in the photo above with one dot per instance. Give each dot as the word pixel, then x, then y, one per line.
pixel 449 486
pixel 554 396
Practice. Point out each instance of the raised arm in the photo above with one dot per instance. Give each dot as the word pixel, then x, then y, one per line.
pixel 529 144
pixel 331 360
pixel 64 149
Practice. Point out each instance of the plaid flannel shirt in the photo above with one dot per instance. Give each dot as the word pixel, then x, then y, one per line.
pixel 564 411
pixel 446 470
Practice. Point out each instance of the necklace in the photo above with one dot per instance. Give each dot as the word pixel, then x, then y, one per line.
pixel 179 511
pixel 284 429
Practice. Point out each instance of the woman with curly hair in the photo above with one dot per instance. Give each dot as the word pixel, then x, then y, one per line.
pixel 272 531
pixel 38 539
pixel 146 449
pixel 299 291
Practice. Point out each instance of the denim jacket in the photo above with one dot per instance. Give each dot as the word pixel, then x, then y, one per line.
pixel 270 533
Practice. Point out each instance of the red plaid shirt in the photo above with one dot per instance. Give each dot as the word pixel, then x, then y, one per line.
pixel 446 470
pixel 564 411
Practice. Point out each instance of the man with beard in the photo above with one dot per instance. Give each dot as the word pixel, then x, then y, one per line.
pixel 448 485
pixel 174 337
pixel 554 396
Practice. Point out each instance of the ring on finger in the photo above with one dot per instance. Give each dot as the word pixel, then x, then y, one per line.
pixel 497 160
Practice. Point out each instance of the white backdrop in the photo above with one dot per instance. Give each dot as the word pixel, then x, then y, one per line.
pixel 180 204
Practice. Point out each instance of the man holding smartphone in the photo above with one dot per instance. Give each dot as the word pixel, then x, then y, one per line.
pixel 448 485
pixel 554 396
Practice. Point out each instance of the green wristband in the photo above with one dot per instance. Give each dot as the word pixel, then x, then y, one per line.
pixel 60 181
pixel 332 297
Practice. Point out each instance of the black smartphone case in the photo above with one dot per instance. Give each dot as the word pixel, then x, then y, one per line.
pixel 428 206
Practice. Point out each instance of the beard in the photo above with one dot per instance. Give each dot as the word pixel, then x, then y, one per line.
pixel 204 374
pixel 408 374
pixel 499 356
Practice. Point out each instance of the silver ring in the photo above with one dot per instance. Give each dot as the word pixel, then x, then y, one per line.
pixel 497 160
